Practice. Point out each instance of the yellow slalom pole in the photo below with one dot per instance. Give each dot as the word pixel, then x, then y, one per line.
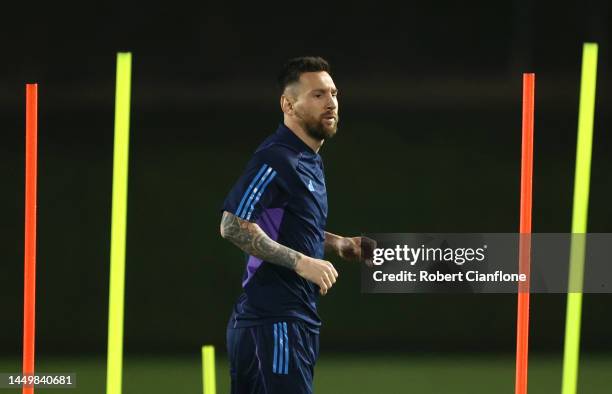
pixel 573 315
pixel 118 224
pixel 208 370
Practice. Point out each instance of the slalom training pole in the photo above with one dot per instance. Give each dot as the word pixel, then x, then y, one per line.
pixel 208 370
pixel 522 322
pixel 118 224
pixel 573 316
pixel 29 277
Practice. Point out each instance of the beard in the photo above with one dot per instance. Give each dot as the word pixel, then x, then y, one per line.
pixel 316 128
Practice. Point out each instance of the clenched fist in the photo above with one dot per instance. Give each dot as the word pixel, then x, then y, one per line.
pixel 359 249
pixel 319 272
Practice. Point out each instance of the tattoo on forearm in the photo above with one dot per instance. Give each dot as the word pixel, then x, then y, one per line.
pixel 253 240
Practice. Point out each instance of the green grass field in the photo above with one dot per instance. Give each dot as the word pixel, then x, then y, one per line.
pixel 340 373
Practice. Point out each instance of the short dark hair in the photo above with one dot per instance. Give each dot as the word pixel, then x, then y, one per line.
pixel 297 66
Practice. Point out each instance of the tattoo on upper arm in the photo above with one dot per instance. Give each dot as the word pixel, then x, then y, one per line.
pixel 253 240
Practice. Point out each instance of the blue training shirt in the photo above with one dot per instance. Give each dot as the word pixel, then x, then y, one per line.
pixel 282 190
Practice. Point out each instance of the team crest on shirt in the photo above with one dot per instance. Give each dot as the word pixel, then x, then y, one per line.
pixel 310 185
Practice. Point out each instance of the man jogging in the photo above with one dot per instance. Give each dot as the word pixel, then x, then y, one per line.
pixel 276 213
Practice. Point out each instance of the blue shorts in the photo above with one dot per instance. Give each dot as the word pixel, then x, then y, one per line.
pixel 272 358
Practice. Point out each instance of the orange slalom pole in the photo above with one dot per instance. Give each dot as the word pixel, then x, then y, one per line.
pixel 522 322
pixel 29 283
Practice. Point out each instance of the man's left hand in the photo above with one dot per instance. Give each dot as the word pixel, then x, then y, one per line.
pixel 351 249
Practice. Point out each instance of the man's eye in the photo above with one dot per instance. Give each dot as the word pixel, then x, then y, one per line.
pixel 318 95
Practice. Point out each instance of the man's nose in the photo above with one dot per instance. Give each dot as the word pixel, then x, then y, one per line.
pixel 331 103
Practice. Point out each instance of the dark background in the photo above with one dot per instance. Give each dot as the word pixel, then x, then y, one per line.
pixel 429 141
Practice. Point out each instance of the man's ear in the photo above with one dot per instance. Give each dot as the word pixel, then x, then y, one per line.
pixel 286 104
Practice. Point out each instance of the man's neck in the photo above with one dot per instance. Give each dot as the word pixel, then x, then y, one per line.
pixel 302 134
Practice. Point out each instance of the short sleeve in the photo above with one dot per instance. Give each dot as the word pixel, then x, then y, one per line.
pixel 260 187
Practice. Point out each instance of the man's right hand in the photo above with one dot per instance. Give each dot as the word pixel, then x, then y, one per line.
pixel 319 272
